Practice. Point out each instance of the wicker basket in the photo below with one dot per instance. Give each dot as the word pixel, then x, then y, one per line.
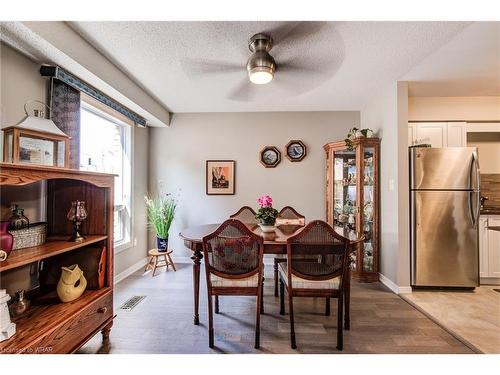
pixel 27 237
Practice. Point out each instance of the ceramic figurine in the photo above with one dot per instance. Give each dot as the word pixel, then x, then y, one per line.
pixel 7 328
pixel 72 283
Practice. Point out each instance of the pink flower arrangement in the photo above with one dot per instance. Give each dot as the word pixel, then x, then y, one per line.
pixel 265 201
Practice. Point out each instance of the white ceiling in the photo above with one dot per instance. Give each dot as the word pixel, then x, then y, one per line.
pixel 350 61
pixel 469 65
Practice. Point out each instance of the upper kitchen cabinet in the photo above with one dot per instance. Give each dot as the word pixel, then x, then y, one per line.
pixel 438 134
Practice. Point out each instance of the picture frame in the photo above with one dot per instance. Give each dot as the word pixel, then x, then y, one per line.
pixel 270 156
pixel 220 177
pixel 296 150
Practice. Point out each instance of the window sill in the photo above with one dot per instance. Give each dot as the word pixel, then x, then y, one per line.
pixel 122 246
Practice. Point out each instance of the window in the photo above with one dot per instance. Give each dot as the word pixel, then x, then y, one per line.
pixel 105 146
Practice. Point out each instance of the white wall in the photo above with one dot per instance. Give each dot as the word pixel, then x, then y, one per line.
pixel 387 114
pixel 178 156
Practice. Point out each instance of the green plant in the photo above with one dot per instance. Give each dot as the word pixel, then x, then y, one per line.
pixel 161 212
pixel 353 133
pixel 266 213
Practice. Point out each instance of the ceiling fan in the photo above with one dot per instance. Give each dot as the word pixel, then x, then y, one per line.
pixel 261 66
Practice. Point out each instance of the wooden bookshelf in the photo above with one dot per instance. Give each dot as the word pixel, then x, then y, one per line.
pixel 50 326
pixel 50 248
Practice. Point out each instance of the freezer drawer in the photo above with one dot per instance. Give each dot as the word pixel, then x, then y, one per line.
pixel 453 168
pixel 444 239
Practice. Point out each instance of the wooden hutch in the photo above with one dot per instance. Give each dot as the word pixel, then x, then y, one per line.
pixel 64 327
pixel 352 198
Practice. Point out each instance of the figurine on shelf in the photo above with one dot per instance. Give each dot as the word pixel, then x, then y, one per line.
pixel 20 304
pixel 72 283
pixel 18 220
pixel 77 213
pixel 7 328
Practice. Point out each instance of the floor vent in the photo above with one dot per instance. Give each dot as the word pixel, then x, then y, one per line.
pixel 497 290
pixel 131 303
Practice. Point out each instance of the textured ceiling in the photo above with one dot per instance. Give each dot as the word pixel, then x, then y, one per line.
pixel 467 66
pixel 346 62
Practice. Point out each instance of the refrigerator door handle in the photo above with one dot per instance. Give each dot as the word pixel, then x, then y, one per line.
pixel 471 210
pixel 478 188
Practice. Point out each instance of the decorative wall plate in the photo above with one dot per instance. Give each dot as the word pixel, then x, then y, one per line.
pixel 296 150
pixel 270 156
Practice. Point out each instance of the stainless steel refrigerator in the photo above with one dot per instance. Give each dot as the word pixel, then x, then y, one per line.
pixel 444 209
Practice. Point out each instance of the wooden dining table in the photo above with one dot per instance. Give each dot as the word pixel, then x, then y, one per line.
pixel 274 243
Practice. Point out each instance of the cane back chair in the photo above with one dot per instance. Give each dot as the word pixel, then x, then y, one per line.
pixel 317 262
pixel 234 266
pixel 246 215
pixel 287 216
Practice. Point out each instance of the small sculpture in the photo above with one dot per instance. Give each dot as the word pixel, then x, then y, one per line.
pixel 7 328
pixel 72 283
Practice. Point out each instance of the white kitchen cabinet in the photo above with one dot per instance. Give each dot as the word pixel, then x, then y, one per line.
pixel 438 134
pixel 483 246
pixel 489 249
pixel 494 247
pixel 457 134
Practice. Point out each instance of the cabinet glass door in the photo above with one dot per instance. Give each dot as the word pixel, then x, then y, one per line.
pixel 368 184
pixel 345 177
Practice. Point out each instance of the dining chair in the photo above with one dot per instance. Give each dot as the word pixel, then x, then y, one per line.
pixel 246 215
pixel 287 216
pixel 317 261
pixel 234 267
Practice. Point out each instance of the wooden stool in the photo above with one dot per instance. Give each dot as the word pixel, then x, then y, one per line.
pixel 155 261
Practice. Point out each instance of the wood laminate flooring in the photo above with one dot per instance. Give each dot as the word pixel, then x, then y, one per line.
pixel 474 316
pixel 162 323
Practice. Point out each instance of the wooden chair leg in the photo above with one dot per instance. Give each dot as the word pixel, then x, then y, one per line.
pixel 282 297
pixel 210 322
pixel 292 324
pixel 257 318
pixel 171 262
pixel 216 304
pixel 327 306
pixel 166 261
pixel 347 302
pixel 340 321
pixel 261 303
pixel 148 264
pixel 276 277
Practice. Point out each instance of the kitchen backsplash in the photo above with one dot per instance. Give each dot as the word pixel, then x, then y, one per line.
pixel 490 187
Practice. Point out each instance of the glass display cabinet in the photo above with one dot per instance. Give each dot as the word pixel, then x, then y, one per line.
pixel 352 199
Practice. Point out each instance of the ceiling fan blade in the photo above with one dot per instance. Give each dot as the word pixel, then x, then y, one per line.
pixel 203 67
pixel 295 30
pixel 289 67
pixel 243 92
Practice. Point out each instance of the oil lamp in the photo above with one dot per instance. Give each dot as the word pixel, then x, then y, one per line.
pixel 77 213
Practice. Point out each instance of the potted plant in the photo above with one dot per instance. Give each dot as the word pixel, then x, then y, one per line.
pixel 266 214
pixel 354 133
pixel 161 211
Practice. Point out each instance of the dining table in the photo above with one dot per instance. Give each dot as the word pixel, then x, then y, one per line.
pixel 274 243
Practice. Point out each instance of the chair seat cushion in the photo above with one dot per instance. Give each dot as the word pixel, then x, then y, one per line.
pixel 300 283
pixel 218 282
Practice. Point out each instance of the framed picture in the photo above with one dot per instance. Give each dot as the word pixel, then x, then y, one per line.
pixel 220 177
pixel 270 156
pixel 296 150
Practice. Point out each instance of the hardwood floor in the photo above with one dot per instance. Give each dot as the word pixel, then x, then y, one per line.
pixel 474 316
pixel 162 323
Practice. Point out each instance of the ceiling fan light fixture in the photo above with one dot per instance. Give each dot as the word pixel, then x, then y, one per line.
pixel 261 75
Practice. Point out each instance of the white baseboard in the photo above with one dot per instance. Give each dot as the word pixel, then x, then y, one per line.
pixel 130 270
pixel 392 286
pixel 489 281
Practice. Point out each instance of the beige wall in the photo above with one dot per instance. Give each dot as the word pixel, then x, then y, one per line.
pixel 178 156
pixel 387 114
pixel 21 81
pixel 488 145
pixel 477 108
